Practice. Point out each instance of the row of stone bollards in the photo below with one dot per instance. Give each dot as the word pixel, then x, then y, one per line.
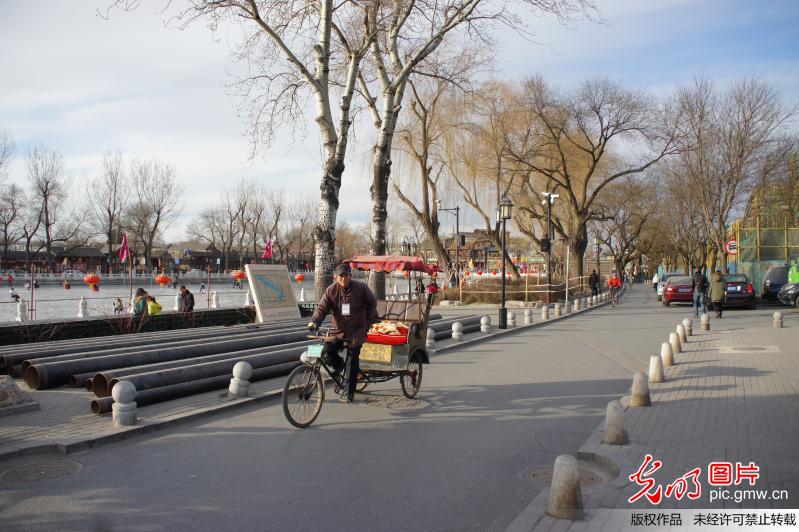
pixel 565 496
pixel 123 410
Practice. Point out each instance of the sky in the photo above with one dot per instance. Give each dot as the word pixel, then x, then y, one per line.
pixel 85 85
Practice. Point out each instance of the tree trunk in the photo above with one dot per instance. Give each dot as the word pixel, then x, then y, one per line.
pixel 578 243
pixel 324 231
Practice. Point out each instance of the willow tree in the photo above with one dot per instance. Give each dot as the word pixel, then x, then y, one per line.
pixel 574 141
pixel 293 49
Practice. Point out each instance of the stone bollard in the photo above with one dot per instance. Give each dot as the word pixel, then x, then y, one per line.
pixel 430 341
pixel 666 354
pixel 674 340
pixel 576 304
pixel 22 311
pixel 177 302
pixel 682 335
pixel 248 299
pixel 123 411
pixel 585 303
pixel 640 394
pixel 214 300
pixel 565 494
pixel 593 301
pixel 615 432
pixel 656 369
pixel 240 383
pixel 689 326
pixel 485 325
pixel 528 316
pixel 777 323
pixel 511 319
pixel 558 311
pixel 83 308
pixel 395 290
pixel 457 331
pixel 545 313
pixel 705 319
pixel 566 308
pixel 302 295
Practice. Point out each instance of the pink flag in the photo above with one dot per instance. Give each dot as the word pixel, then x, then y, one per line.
pixel 267 250
pixel 124 251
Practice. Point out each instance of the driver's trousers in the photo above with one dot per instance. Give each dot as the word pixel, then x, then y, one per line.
pixel 351 365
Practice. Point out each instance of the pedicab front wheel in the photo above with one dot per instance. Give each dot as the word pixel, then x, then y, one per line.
pixel 303 395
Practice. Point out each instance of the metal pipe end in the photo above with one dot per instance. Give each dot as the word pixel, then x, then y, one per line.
pixel 102 406
pixel 33 378
pixel 100 385
pixel 89 385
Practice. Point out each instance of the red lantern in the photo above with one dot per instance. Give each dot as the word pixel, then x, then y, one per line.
pixel 299 277
pixel 162 280
pixel 479 272
pixel 239 275
pixel 92 279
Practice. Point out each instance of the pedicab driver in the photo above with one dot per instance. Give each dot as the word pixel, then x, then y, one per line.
pixel 354 309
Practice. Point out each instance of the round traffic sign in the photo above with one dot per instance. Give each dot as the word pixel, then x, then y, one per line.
pixel 731 247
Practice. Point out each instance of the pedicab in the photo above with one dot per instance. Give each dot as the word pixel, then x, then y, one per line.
pixel 394 348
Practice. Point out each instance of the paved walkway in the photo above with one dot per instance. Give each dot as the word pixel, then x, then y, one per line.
pixel 733 396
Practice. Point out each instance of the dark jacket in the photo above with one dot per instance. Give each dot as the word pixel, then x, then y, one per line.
pixel 186 302
pixel 699 282
pixel 593 280
pixel 363 310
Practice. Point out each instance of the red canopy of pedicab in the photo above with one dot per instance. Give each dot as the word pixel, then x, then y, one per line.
pixel 391 263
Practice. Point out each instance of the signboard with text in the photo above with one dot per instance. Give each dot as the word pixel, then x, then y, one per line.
pixel 270 286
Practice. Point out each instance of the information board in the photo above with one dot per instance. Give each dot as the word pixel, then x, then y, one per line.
pixel 270 286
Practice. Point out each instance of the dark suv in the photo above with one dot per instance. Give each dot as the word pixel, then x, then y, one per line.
pixel 789 295
pixel 776 277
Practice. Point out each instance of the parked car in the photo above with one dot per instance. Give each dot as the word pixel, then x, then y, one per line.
pixel 776 277
pixel 678 290
pixel 662 283
pixel 740 292
pixel 789 295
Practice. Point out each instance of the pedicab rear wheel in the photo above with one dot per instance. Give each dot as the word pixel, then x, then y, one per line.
pixel 411 380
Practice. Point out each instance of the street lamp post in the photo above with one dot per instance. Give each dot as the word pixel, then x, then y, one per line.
pixel 505 210
pixel 457 211
pixel 550 199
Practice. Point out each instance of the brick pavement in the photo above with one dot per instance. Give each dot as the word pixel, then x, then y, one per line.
pixel 717 404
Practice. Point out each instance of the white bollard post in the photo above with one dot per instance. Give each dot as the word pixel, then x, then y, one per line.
pixel 22 311
pixel 395 289
pixel 577 304
pixel 566 308
pixel 83 308
pixel 214 300
pixel 705 319
pixel 584 303
pixel 565 495
pixel 485 324
pixel 674 340
pixel 558 311
pixel 615 431
pixel 248 299
pixel 545 313
pixel 457 331
pixel 682 334
pixel 511 319
pixel 177 302
pixel 656 369
pixel 123 411
pixel 593 301
pixel 666 354
pixel 777 323
pixel 302 295
pixel 689 326
pixel 240 383
pixel 528 316
pixel 430 340
pixel 640 393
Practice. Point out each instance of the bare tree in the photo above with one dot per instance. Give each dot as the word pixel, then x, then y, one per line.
pixel 12 202
pixel 728 141
pixel 156 202
pixel 294 48
pixel 108 195
pixel 406 34
pixel 567 142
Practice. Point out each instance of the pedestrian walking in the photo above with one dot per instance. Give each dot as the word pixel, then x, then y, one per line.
pixel 718 290
pixel 10 279
pixel 593 283
pixel 655 281
pixel 699 285
pixel 185 300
